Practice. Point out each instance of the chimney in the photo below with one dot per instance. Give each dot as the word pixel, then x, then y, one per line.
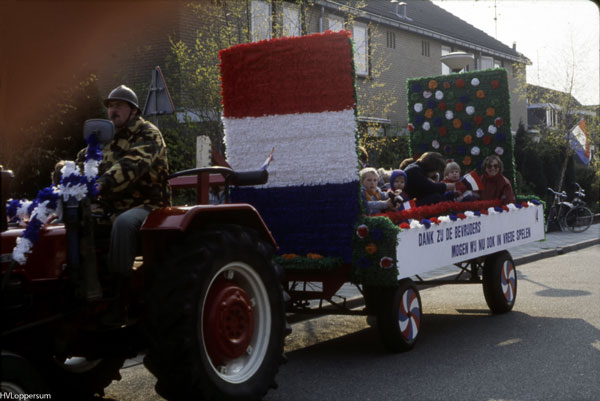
pixel 515 46
pixel 400 8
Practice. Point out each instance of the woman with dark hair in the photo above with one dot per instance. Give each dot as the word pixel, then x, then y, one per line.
pixel 421 179
pixel 495 185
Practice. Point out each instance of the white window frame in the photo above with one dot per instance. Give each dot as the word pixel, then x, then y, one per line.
pixel 486 62
pixel 335 22
pixel 291 20
pixel 360 34
pixel 445 69
pixel 261 20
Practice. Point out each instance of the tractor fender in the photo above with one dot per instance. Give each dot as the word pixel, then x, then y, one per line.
pixel 181 219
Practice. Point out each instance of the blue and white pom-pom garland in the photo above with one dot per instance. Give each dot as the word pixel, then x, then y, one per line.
pixel 47 202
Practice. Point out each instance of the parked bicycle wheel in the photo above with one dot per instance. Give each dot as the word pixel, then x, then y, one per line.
pixel 578 219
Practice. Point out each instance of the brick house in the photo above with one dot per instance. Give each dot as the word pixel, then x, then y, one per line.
pixel 393 41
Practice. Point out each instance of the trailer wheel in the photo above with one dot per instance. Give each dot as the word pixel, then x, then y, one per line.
pixel 500 282
pixel 216 320
pixel 399 317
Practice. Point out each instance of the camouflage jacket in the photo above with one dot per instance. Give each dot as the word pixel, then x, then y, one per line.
pixel 134 169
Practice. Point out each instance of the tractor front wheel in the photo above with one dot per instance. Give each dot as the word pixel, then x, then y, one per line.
pixel 216 320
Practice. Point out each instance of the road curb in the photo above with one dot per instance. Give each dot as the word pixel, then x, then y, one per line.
pixel 532 257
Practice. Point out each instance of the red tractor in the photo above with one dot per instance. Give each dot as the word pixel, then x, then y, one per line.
pixel 206 305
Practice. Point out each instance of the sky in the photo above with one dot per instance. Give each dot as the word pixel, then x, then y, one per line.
pixel 556 35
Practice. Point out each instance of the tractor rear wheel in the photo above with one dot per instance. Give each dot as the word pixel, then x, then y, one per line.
pixel 216 318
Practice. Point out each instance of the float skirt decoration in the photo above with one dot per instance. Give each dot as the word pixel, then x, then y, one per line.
pixel 296 95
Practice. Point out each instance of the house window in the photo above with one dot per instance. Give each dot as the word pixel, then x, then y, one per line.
pixel 391 39
pixel 487 62
pixel 261 20
pixel 361 42
pixel 335 22
pixel 291 20
pixel 425 48
pixel 445 69
pixel 497 63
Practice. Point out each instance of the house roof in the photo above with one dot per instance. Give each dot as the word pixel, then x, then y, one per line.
pixel 425 18
pixel 539 94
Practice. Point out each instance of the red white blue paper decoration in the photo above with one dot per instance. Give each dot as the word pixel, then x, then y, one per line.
pixel 297 95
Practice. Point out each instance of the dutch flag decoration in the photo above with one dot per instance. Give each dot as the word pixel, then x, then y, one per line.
pixel 471 181
pixel 296 95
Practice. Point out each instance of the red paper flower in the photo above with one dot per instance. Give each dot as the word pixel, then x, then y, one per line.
pixel 525 204
pixel 411 127
pixel 428 113
pixel 467 161
pixel 459 106
pixel 405 226
pixel 362 231
pixel 484 211
pixel 480 94
pixel 495 84
pixel 433 84
pixel 460 83
pixel 487 139
pixel 461 216
pixel 506 209
pixel 498 121
pixel 386 262
pixel 442 106
pixel 490 111
pixel 446 85
pixel 435 220
pixel 456 123
pixel 443 131
pixel 478 120
pixel 468 139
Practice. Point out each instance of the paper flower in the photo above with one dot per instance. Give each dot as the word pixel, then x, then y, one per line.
pixel 386 262
pixel 475 82
pixel 435 144
pixel 492 130
pixel 478 120
pixel 418 107
pixel 446 85
pixel 404 226
pixel 443 131
pixel 456 123
pixel 470 110
pixel 475 150
pixel 495 84
pixel 428 113
pixel 437 121
pixel 459 107
pixel 411 127
pixel 449 115
pixel 499 151
pixel 487 140
pixel 439 95
pixel 416 88
pixel 432 84
pixel 460 83
pixel 498 121
pixel 426 94
pixel 426 126
pixel 468 139
pixel 480 94
pixel 467 125
pixel 426 223
pixel 490 112
pixel 371 248
pixel 467 161
pixel 442 106
pixel 362 231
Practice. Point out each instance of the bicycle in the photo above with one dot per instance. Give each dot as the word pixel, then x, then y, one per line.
pixel 579 218
pixel 573 216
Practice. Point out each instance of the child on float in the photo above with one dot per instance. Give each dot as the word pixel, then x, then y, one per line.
pixel 452 174
pixel 396 191
pixel 375 200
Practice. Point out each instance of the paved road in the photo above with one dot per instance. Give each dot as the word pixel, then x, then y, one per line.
pixel 548 348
